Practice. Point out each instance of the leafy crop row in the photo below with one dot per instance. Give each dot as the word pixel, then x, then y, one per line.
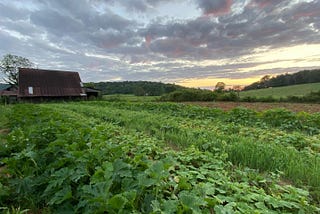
pixel 96 159
pixel 294 153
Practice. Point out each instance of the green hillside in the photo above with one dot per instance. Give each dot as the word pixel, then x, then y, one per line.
pixel 277 92
pixel 301 77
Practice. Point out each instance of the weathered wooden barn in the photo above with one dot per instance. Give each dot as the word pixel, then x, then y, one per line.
pixel 46 85
pixel 39 84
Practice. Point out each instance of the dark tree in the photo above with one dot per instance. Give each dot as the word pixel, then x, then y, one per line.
pixel 139 91
pixel 9 67
pixel 220 86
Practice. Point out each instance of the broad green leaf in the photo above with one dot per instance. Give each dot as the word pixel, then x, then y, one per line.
pixel 61 196
pixel 117 202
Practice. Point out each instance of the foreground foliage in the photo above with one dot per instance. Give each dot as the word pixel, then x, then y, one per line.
pixel 159 158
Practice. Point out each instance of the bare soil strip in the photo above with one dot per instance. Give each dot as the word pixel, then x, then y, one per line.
pixel 4 131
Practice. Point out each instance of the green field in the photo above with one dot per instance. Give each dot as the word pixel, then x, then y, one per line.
pixel 277 92
pixel 129 97
pixel 145 157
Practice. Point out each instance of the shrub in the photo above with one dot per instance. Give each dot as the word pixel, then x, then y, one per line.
pixel 189 95
pixel 229 96
pixel 249 99
pixel 313 97
pixel 3 100
pixel 268 99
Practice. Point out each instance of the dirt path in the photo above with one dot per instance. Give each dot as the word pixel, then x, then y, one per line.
pixel 296 107
pixel 4 131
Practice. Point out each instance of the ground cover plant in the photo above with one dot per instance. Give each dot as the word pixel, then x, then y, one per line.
pixel 133 157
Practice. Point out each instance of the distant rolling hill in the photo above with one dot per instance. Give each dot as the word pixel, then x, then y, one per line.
pixel 277 92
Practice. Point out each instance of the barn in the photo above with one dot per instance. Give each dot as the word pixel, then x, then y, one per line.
pixel 46 85
pixel 39 84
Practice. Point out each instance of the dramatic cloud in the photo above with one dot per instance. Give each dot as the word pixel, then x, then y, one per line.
pixel 164 40
pixel 265 3
pixel 217 7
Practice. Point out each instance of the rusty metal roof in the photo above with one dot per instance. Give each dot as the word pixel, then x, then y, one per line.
pixel 48 83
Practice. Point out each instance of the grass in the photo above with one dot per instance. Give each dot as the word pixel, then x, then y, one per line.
pixel 277 92
pixel 4 110
pixel 130 98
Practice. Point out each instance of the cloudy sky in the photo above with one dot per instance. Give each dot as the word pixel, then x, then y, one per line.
pixel 194 43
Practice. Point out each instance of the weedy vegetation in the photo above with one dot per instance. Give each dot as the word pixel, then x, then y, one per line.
pixel 146 157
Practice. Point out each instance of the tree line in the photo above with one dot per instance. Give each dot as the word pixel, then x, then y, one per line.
pixel 301 77
pixel 138 88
